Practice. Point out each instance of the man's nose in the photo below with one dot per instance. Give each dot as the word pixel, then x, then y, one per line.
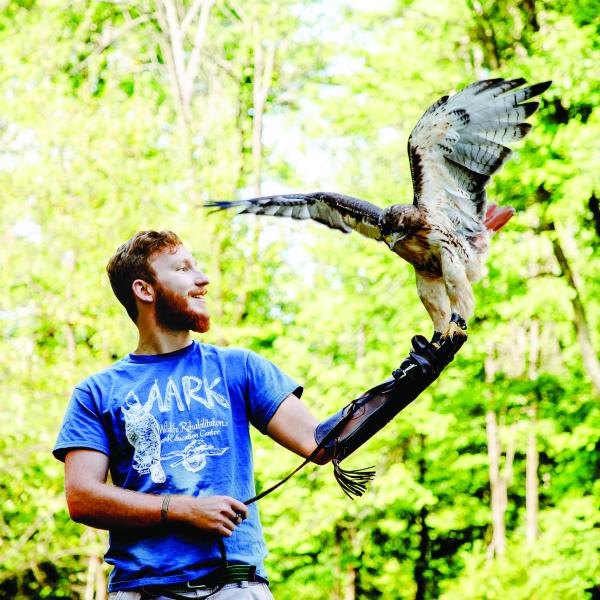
pixel 201 278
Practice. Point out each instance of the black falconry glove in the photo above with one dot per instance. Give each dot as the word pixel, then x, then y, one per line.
pixel 341 434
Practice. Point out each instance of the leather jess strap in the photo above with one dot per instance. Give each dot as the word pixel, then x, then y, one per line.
pixel 329 437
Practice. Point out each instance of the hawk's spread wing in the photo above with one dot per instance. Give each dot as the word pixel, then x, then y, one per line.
pixel 458 144
pixel 334 210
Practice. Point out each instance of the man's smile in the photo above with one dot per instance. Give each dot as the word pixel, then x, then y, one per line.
pixel 198 295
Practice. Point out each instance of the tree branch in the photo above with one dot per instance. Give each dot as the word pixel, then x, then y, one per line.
pixel 191 15
pixel 590 360
pixel 194 60
pixel 171 43
pixel 108 37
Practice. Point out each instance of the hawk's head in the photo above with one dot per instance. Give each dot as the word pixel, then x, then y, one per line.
pixel 397 222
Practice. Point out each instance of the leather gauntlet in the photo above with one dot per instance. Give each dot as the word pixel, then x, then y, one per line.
pixel 341 434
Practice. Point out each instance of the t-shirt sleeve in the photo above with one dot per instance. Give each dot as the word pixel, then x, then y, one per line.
pixel 82 426
pixel 267 388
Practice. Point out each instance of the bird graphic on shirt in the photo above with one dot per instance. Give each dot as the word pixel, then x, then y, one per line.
pixel 143 433
pixel 193 456
pixel 453 150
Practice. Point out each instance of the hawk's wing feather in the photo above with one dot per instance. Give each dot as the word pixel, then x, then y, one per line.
pixel 337 211
pixel 458 144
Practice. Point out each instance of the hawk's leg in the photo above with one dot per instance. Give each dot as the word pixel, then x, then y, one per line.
pixel 433 294
pixel 459 290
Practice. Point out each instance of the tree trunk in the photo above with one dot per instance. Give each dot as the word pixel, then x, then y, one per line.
pixel 71 264
pixel 580 322
pixel 351 582
pixel 71 343
pixel 422 561
pixel 183 61
pixel 264 63
pixel 531 481
pixel 262 76
pixel 499 480
pixel 217 278
pixel 95 582
pixel 497 488
pixel 594 206
pixel 347 576
pixel 531 456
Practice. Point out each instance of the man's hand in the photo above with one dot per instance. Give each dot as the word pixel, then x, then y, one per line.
pixel 214 514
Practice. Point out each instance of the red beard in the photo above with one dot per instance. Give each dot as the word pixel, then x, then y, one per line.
pixel 173 312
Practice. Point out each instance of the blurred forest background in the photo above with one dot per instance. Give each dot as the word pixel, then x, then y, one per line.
pixel 120 115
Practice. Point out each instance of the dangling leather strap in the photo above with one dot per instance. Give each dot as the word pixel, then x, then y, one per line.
pixel 328 438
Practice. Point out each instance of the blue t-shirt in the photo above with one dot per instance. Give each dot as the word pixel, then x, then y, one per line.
pixel 178 423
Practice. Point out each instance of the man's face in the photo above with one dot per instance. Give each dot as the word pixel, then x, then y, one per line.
pixel 179 291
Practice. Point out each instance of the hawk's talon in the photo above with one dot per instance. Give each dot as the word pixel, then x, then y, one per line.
pixel 454 329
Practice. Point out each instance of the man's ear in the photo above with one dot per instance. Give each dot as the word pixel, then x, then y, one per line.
pixel 143 290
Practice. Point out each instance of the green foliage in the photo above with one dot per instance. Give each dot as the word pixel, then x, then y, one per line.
pixel 93 147
pixel 562 564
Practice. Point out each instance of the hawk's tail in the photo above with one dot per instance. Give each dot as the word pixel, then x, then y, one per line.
pixel 496 217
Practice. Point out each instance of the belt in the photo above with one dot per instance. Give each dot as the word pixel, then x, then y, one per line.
pixel 231 573
pixel 223 575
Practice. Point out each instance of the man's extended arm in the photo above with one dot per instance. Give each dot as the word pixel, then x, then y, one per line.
pixel 93 501
pixel 295 428
pixel 342 433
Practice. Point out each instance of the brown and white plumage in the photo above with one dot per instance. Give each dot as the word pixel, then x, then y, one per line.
pixel 453 150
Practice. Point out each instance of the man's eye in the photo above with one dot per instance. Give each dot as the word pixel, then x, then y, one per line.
pixel 182 268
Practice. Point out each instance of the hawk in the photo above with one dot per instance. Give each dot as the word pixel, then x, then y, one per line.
pixel 453 150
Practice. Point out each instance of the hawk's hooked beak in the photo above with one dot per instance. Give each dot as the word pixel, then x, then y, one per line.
pixel 392 239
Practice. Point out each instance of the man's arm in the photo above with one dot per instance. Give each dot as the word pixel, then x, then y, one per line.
pixel 344 432
pixel 293 426
pixel 92 501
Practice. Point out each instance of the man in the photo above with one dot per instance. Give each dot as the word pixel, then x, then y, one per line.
pixel 170 422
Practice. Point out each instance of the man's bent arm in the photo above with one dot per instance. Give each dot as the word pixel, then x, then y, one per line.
pixel 92 501
pixel 293 426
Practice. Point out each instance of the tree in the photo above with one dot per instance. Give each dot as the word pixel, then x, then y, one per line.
pixel 101 134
